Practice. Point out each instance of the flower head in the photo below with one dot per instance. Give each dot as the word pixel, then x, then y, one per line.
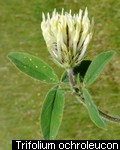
pixel 67 36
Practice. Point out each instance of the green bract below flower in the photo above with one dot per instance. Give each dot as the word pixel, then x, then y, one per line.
pixel 67 36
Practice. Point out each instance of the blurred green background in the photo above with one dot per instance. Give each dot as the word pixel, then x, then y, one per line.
pixel 21 97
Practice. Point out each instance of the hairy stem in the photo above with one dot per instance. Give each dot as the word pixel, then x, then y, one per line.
pixel 71 78
pixel 72 82
pixel 78 93
pixel 108 117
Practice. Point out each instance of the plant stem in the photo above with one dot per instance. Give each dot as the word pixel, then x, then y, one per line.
pixel 71 78
pixel 78 93
pixel 72 82
pixel 108 117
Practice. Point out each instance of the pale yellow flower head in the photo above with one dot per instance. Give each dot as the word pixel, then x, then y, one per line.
pixel 67 36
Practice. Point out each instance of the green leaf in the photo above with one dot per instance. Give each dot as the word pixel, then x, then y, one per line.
pixel 52 112
pixel 97 66
pixel 78 70
pixel 64 77
pixel 92 110
pixel 81 69
pixel 33 66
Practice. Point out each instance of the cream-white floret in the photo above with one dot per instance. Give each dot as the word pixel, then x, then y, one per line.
pixel 67 36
